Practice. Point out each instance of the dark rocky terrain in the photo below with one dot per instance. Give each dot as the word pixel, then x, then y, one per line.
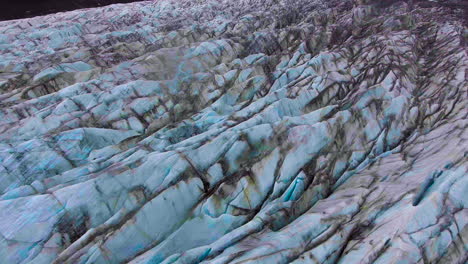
pixel 31 8
pixel 266 131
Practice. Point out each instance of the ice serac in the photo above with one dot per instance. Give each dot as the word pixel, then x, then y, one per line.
pixel 236 132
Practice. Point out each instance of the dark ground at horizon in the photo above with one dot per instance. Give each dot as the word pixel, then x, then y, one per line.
pixel 16 9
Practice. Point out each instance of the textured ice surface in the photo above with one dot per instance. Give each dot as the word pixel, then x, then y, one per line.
pixel 235 132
